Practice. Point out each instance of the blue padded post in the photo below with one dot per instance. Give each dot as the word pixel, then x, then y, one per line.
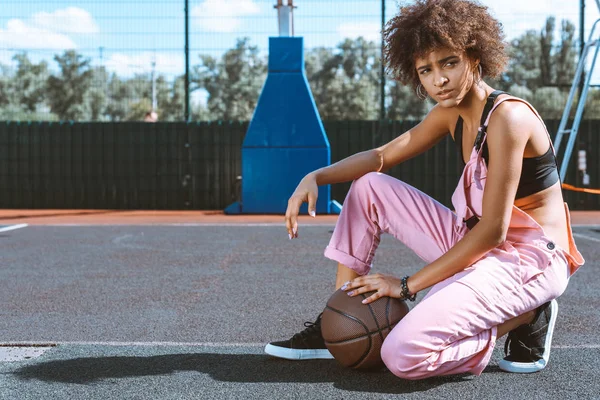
pixel 285 139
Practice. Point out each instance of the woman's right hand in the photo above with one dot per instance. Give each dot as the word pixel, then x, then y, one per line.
pixel 307 191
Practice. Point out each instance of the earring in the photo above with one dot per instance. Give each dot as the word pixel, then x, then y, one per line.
pixel 421 92
pixel 477 79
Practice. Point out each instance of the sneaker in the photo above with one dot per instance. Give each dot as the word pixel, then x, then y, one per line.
pixel 305 345
pixel 527 347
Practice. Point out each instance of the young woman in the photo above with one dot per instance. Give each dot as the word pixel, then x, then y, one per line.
pixel 497 263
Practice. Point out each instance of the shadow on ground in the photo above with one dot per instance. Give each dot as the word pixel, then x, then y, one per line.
pixel 242 368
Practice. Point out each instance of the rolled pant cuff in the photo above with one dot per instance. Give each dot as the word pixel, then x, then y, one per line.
pixel 349 261
pixel 478 369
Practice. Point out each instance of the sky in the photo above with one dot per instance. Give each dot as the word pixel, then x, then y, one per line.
pixel 135 36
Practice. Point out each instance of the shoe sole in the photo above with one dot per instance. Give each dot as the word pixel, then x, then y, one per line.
pixel 528 368
pixel 297 354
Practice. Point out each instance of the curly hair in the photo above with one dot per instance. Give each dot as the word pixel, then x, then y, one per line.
pixel 460 25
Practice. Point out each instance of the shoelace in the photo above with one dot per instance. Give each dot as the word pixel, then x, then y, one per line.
pixel 312 329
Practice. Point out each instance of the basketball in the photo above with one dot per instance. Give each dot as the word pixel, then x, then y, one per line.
pixel 354 332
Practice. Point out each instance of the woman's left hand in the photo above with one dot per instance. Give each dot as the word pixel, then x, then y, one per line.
pixel 383 285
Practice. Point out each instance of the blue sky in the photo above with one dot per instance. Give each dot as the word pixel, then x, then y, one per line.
pixel 127 36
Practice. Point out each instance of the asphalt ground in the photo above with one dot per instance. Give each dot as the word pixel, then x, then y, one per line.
pixel 184 311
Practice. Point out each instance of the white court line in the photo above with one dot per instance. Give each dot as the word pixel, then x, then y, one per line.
pixel 593 239
pixel 203 344
pixel 12 227
pixel 253 224
pixel 116 344
pixel 276 224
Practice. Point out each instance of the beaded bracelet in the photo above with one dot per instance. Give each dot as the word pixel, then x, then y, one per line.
pixel 405 292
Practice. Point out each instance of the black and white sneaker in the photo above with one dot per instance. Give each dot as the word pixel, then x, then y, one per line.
pixel 305 345
pixel 527 347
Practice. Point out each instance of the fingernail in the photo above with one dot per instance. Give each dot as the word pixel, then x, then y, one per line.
pixel 364 301
pixel 313 214
pixel 350 293
pixel 344 287
pixel 290 236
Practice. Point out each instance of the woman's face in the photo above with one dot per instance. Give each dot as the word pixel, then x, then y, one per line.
pixel 446 75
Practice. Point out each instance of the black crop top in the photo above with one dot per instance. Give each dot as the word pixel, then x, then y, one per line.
pixel 537 174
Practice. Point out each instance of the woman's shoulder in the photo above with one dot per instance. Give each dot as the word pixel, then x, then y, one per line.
pixel 513 112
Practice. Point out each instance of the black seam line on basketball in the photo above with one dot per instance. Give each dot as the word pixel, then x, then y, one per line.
pixel 369 333
pixel 366 353
pixel 387 311
pixel 374 318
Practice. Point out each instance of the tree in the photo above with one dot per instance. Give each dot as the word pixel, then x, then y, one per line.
pixel 30 82
pixel 6 88
pixel 404 104
pixel 523 67
pixel 119 96
pixel 345 80
pixel 546 58
pixel 97 97
pixel 233 83
pixel 549 101
pixel 566 56
pixel 67 90
pixel 543 69
pixel 171 99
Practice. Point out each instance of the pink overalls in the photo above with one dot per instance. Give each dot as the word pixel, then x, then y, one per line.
pixel 453 329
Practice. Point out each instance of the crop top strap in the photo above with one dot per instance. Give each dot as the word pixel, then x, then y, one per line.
pixel 483 128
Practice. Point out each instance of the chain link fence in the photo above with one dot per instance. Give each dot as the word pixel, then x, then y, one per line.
pixel 118 60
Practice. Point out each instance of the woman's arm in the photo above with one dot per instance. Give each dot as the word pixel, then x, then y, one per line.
pixel 416 140
pixel 508 133
pixel 509 130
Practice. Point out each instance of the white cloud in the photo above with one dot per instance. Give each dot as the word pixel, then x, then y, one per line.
pixel 368 30
pixel 47 31
pixel 126 65
pixel 70 19
pixel 20 35
pixel 223 15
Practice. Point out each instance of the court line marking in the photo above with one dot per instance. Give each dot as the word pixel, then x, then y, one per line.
pixel 200 344
pixel 117 344
pixel 213 224
pixel 275 224
pixel 593 239
pixel 12 227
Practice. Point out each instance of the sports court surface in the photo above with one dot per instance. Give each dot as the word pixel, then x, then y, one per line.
pixel 171 305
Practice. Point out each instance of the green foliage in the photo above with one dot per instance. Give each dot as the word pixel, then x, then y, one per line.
pixel 97 98
pixel 67 91
pixel 542 69
pixel 30 82
pixel 119 94
pixel 345 83
pixel 404 104
pixel 345 80
pixel 233 83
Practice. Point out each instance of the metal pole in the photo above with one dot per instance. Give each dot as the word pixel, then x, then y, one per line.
pixel 382 81
pixel 187 62
pixel 285 17
pixel 581 36
pixel 153 77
